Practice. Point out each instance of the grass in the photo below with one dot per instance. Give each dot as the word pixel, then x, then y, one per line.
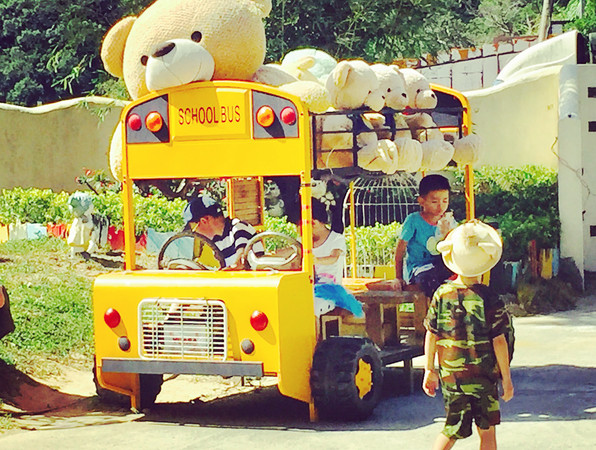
pixel 50 297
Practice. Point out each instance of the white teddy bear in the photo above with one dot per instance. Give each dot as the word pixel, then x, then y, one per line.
pixel 353 84
pixel 420 96
pixel 436 154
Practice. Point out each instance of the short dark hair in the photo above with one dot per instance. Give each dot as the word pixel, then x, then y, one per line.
pixel 432 183
pixel 319 211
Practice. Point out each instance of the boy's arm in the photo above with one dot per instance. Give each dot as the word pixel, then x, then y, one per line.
pixel 431 378
pixel 400 252
pixel 502 354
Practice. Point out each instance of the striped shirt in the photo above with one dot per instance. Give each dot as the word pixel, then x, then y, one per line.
pixel 236 235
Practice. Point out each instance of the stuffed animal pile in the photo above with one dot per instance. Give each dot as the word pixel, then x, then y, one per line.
pixel 172 43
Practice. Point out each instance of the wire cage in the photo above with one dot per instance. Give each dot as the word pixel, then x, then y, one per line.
pixel 380 205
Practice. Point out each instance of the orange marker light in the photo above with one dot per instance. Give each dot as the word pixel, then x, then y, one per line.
pixel 154 121
pixel 265 116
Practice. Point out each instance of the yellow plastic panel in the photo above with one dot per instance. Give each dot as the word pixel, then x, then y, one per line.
pixel 296 337
pixel 199 114
pixel 285 347
pixel 214 159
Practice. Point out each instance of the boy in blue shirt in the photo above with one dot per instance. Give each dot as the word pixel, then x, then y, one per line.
pixel 420 233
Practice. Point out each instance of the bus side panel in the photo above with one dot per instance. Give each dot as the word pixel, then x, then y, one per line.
pixel 296 338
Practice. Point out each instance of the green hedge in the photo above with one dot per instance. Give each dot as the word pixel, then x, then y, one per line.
pixel 523 201
pixel 44 206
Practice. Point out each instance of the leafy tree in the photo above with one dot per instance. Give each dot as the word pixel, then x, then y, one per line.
pixel 583 19
pixel 505 18
pixel 49 50
pixel 376 31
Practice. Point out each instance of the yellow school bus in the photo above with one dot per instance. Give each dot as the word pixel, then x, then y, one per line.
pixel 256 322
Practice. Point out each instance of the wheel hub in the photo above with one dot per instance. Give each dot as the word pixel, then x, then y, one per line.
pixel 363 378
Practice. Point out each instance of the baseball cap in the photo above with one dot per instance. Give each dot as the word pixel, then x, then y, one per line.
pixel 199 207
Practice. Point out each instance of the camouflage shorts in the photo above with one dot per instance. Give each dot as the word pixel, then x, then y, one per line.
pixel 462 408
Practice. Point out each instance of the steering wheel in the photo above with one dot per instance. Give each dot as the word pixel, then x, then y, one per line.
pixel 186 263
pixel 254 262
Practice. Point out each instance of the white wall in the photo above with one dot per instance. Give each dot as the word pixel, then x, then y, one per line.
pixel 571 189
pixel 517 121
pixel 49 145
pixel 577 168
pixel 468 69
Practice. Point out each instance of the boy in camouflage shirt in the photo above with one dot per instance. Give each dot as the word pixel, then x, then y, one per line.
pixel 466 331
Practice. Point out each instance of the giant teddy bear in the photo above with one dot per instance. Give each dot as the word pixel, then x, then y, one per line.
pixel 174 42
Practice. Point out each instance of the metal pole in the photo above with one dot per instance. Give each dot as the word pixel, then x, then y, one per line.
pixel 352 230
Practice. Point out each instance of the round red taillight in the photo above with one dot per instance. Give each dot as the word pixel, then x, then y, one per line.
pixel 111 318
pixel 288 115
pixel 259 320
pixel 154 121
pixel 134 122
pixel 265 116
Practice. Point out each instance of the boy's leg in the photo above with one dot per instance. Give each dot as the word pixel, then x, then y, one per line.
pixel 443 442
pixel 434 276
pixel 487 414
pixel 488 438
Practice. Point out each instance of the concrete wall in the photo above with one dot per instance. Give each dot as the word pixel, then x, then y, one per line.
pixel 517 122
pixel 49 145
pixel 468 69
pixel 577 168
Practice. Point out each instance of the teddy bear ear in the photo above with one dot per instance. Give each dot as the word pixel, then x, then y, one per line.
pixel 263 7
pixel 340 74
pixel 112 48
pixel 491 248
pixel 398 71
pixel 445 246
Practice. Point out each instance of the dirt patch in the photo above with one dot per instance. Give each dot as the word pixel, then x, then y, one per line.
pixel 66 396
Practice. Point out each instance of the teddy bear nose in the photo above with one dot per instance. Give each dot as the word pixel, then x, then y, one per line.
pixel 164 50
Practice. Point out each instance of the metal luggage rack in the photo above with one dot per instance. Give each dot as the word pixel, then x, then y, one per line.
pixel 444 117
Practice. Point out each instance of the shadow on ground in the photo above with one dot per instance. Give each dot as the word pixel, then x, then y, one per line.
pixel 556 392
pixel 28 396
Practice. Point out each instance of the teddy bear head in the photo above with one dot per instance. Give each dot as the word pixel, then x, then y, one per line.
pixel 420 95
pixel 309 63
pixel 175 42
pixel 353 84
pixel 392 85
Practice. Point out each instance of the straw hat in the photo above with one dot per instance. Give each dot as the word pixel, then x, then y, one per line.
pixel 471 249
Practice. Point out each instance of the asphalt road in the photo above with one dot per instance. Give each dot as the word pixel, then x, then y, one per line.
pixel 554 373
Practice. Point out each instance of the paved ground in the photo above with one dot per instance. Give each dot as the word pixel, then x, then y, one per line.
pixel 554 372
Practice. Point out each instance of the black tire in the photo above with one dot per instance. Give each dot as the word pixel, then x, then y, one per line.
pixel 336 364
pixel 150 389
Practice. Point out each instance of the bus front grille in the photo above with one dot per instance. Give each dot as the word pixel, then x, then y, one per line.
pixel 173 328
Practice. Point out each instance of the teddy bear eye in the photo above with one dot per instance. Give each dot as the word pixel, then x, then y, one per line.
pixel 388 89
pixel 144 60
pixel 196 36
